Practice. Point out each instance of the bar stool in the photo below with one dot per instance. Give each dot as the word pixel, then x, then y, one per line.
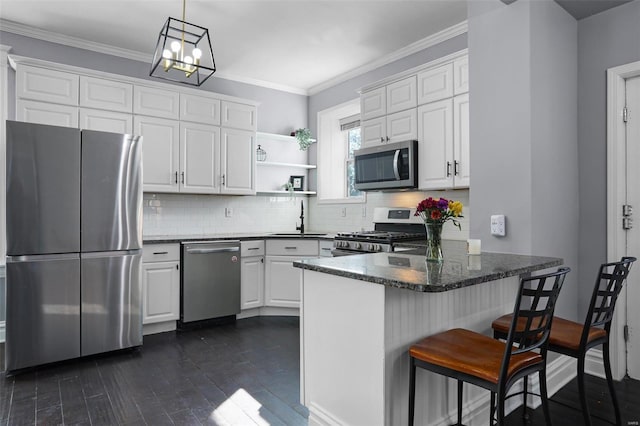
pixel 494 365
pixel 575 339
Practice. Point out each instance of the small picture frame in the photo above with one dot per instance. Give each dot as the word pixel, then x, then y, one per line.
pixel 297 182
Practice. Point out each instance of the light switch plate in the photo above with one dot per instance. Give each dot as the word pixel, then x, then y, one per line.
pixel 498 225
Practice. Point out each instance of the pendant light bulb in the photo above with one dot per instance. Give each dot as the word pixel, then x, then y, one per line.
pixel 175 46
pixel 188 59
pixel 197 53
pixel 166 53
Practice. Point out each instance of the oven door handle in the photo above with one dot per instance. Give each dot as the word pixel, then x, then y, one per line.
pixel 396 157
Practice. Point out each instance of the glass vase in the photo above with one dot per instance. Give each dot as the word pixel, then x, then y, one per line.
pixel 434 241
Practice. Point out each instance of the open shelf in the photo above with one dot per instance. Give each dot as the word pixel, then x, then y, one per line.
pixel 275 164
pixel 283 138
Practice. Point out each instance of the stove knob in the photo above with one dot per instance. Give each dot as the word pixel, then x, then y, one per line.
pixel 370 247
pixel 378 247
pixel 357 246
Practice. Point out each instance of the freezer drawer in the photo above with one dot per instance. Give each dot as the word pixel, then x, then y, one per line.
pixel 43 189
pixel 111 192
pixel 43 318
pixel 111 308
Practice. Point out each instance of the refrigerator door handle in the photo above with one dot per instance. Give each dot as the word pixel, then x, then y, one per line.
pixel 41 257
pixel 99 254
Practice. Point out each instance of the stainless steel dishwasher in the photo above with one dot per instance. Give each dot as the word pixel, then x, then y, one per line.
pixel 210 282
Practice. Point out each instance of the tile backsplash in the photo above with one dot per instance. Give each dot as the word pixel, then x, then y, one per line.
pixel 182 214
pixel 329 216
pixel 186 214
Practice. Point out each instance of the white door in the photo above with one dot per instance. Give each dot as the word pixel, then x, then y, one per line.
pixel 160 151
pixel 252 282
pixel 633 235
pixel 46 113
pixel 282 282
pixel 106 121
pixel 199 158
pixel 403 126
pixel 435 145
pixel 461 169
pixel 373 132
pixel 238 162
pixel 160 292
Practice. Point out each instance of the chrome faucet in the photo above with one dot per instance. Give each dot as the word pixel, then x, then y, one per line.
pixel 301 227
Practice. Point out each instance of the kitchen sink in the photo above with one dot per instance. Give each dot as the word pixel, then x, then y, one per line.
pixel 297 234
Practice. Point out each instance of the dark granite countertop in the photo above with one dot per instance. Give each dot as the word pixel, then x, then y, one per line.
pixel 410 270
pixel 168 239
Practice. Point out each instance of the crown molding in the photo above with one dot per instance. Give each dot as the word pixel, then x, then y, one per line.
pixel 40 34
pixel 262 83
pixel 412 48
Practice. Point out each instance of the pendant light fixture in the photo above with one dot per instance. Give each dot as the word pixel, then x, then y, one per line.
pixel 183 52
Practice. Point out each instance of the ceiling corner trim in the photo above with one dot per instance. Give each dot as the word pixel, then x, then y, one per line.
pixel 432 40
pixel 40 34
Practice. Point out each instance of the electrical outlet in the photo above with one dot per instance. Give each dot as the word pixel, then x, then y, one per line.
pixel 498 225
pixel 343 212
pixel 228 211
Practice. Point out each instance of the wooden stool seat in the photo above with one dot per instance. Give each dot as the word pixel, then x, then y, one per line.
pixel 564 333
pixel 470 353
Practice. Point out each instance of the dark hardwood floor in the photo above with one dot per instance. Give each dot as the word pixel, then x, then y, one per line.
pixel 236 374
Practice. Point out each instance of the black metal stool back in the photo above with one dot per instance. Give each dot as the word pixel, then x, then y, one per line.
pixel 611 278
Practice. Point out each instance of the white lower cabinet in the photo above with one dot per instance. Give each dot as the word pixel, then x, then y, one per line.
pixel 161 284
pixel 252 274
pixel 283 281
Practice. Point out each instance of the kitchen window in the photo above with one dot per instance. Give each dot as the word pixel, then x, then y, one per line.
pixel 338 138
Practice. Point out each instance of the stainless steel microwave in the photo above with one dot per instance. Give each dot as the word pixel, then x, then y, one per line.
pixel 392 166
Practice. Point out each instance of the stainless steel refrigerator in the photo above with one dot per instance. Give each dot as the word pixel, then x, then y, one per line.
pixel 74 238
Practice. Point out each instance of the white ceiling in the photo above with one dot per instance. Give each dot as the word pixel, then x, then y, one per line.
pixel 295 44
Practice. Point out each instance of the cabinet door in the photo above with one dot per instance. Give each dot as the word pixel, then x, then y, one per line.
pixel 403 126
pixel 47 85
pixel 106 121
pixel 199 109
pixel 238 165
pixel 402 95
pixel 283 281
pixel 435 150
pixel 373 132
pixel 461 140
pixel 252 282
pixel 45 113
pixel 160 151
pixel 199 158
pixel 373 104
pixel 238 116
pixel 106 94
pixel 160 292
pixel 435 84
pixel 156 102
pixel 461 75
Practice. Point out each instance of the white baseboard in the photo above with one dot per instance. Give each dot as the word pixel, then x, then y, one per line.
pixel 594 363
pixel 268 311
pixel 158 327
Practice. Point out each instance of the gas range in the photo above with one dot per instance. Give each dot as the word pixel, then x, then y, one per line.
pixel 391 226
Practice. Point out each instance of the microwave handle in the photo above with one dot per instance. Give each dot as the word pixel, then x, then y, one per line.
pixel 396 171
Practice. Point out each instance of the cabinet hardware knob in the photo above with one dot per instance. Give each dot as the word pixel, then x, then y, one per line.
pixel 160 252
pixel 182 177
pixel 455 168
pixel 291 248
pixel 388 139
pixel 176 177
pixel 223 180
pixel 381 139
pixel 448 168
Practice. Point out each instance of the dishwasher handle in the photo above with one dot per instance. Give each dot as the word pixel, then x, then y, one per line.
pixel 212 250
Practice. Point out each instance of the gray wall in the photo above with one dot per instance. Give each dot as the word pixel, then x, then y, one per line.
pixel 605 40
pixel 523 66
pixel 279 112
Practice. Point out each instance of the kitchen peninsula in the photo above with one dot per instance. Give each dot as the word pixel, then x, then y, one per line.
pixel 360 314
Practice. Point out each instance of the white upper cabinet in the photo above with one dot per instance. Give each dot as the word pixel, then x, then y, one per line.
pixel 106 94
pixel 461 170
pixel 160 153
pixel 402 126
pixel 46 85
pixel 238 165
pixel 435 140
pixel 106 121
pixel 401 95
pixel 373 132
pixel 238 116
pixel 435 84
pixel 461 75
pixel 373 104
pixel 199 158
pixel 199 109
pixel 46 113
pixel 156 102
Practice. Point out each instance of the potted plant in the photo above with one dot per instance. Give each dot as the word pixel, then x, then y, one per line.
pixel 304 138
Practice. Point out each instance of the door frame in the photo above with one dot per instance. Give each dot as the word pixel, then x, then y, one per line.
pixel 616 197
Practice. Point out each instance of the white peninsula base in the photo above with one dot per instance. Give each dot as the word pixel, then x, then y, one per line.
pixel 355 337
